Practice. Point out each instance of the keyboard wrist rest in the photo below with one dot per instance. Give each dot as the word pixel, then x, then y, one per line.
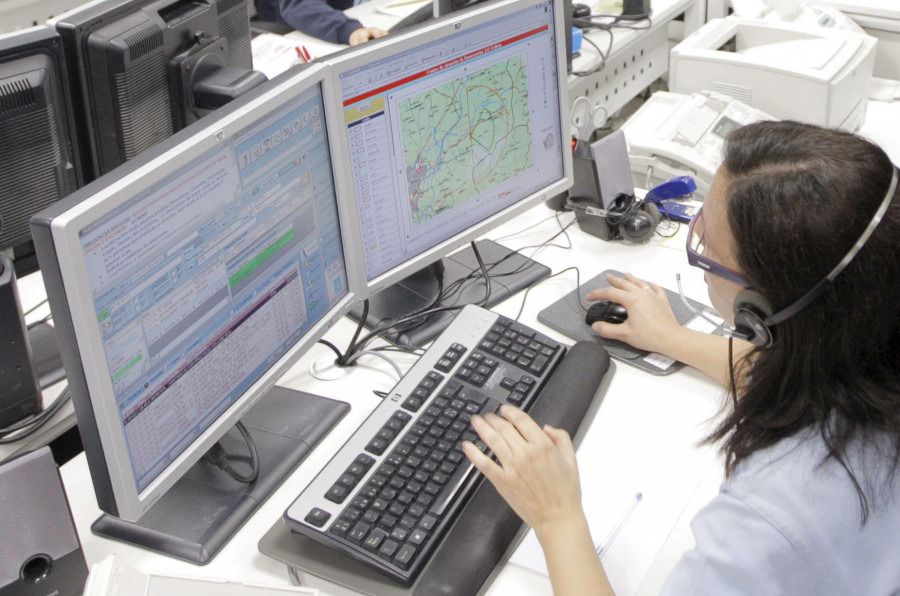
pixel 481 536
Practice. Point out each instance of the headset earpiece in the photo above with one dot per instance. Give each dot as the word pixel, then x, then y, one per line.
pixel 652 210
pixel 751 310
pixel 640 226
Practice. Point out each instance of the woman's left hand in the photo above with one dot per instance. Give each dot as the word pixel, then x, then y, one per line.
pixel 536 472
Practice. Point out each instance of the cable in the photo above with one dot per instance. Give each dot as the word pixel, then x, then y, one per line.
pixel 586 24
pixel 578 285
pixel 34 324
pixel 378 331
pixel 417 351
pixel 518 252
pixel 27 427
pixel 357 355
pixel 333 348
pixel 482 272
pixel 351 347
pixel 218 457
pixel 534 225
pixel 35 307
pixel 671 224
pixel 485 276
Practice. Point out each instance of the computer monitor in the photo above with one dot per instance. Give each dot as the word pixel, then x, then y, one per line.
pixel 448 131
pixel 183 284
pixel 144 69
pixel 38 161
pixel 38 166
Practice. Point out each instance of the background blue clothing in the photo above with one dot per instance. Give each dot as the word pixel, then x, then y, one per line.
pixel 323 19
pixel 787 524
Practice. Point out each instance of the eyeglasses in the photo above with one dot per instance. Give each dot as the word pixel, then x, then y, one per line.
pixel 696 247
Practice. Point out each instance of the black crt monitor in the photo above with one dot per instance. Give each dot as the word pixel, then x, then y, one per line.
pixel 144 69
pixel 448 131
pixel 184 284
pixel 38 166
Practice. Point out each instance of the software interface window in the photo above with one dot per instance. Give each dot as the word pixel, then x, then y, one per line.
pixel 201 283
pixel 444 135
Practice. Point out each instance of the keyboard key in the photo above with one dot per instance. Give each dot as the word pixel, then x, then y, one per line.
pixel 377 446
pixel 418 536
pixel 359 531
pixel 388 549
pixel 399 533
pixel 318 517
pixel 337 494
pixel 428 522
pixel 374 539
pixel 340 527
pixel 405 556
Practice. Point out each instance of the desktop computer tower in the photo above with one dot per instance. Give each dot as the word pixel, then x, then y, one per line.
pixel 40 553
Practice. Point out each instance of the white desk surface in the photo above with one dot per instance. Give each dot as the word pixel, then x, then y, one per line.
pixel 637 404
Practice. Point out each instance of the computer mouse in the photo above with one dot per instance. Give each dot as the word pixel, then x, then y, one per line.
pixel 606 311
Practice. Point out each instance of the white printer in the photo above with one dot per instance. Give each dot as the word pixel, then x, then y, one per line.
pixel 789 70
pixel 674 134
pixel 880 18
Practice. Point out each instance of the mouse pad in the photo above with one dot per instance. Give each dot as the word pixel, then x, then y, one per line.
pixel 567 316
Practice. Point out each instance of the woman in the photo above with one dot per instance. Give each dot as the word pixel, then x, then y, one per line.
pixel 811 501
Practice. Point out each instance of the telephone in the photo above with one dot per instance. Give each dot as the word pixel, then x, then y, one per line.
pixel 674 135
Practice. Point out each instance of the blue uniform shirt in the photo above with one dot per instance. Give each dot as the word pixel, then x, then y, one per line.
pixel 323 19
pixel 787 523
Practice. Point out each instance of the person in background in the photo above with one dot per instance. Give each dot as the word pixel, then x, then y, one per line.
pixel 810 503
pixel 323 19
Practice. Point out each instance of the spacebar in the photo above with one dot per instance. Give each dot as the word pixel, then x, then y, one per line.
pixel 459 478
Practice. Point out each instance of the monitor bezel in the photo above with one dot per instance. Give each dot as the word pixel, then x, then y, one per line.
pixel 427 33
pixel 105 195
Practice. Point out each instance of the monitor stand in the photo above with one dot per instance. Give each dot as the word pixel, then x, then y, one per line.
pixel 516 273
pixel 45 356
pixel 194 519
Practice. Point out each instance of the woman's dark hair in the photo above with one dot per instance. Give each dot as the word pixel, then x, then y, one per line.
pixel 799 197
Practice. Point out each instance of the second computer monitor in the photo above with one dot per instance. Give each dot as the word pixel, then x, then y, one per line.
pixel 183 285
pixel 450 130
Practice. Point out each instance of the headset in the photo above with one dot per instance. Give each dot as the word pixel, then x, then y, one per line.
pixel 632 219
pixel 627 218
pixel 753 313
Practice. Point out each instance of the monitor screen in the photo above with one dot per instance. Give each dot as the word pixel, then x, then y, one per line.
pixel 38 161
pixel 144 69
pixel 449 130
pixel 188 280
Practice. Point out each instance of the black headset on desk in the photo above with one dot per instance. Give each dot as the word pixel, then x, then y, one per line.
pixel 753 314
pixel 628 218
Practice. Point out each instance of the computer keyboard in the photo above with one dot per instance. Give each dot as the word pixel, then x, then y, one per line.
pixel 395 487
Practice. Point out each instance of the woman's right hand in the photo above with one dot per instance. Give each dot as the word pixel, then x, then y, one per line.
pixel 650 325
pixel 536 471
